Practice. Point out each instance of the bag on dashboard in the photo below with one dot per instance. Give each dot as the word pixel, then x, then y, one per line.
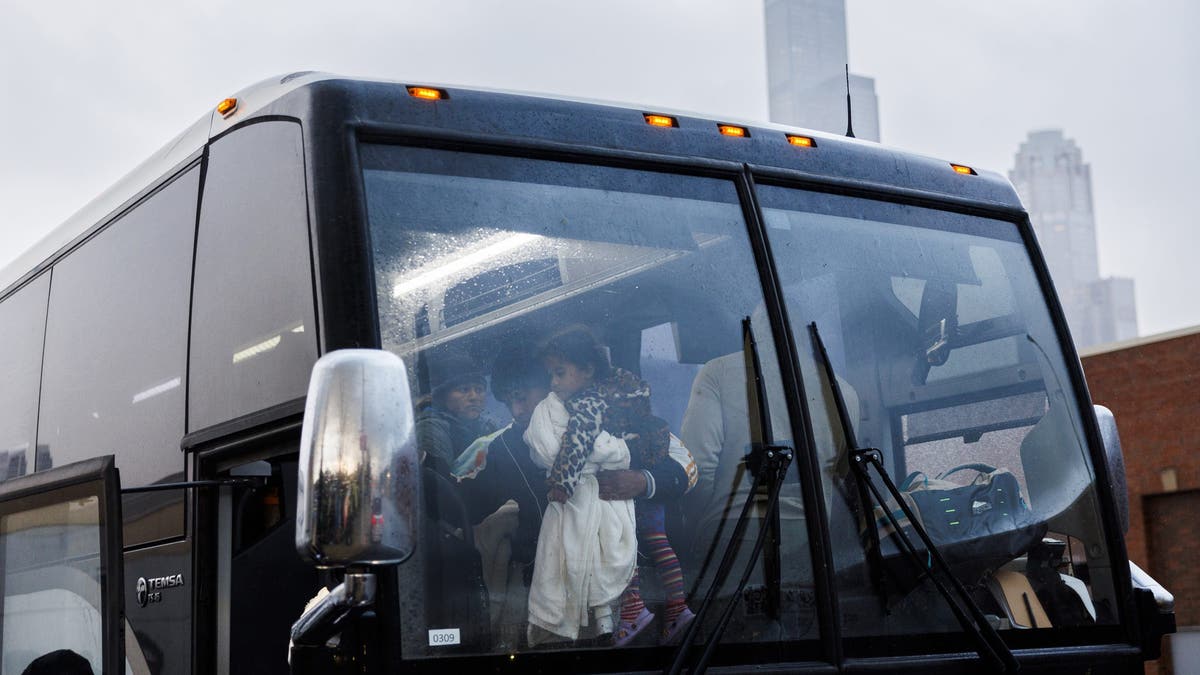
pixel 976 527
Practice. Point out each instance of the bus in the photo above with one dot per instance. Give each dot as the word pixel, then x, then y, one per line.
pixel 223 379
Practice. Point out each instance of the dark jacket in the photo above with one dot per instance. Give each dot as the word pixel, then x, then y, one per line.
pixel 442 436
pixel 510 474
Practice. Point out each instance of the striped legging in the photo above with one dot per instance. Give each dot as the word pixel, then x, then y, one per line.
pixel 652 538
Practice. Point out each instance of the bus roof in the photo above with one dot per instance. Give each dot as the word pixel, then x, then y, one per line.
pixel 506 115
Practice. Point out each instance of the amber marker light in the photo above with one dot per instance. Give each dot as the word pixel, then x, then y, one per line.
pixel 227 106
pixel 660 120
pixel 964 170
pixel 733 130
pixel 427 93
pixel 802 141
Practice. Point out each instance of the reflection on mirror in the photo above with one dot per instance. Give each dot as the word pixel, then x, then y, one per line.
pixel 358 461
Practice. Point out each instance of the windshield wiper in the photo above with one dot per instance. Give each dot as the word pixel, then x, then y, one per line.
pixel 768 463
pixel 988 642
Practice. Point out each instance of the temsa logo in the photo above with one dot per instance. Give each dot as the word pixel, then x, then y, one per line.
pixel 149 591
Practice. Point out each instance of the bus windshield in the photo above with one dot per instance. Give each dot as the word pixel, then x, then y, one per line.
pixel 949 362
pixel 573 334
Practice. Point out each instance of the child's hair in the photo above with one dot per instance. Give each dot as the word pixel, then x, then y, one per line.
pixel 577 345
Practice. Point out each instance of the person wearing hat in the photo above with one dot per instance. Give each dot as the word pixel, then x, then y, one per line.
pixel 453 417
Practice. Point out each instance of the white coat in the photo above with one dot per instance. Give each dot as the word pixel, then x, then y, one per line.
pixel 587 547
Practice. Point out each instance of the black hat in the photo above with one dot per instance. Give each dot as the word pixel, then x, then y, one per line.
pixel 60 662
pixel 451 369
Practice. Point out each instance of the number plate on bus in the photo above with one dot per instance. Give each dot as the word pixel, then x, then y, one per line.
pixel 442 637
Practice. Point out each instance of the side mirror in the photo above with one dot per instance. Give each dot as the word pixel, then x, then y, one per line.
pixel 359 477
pixel 1115 460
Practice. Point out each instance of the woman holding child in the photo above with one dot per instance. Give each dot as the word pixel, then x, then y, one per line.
pixel 597 418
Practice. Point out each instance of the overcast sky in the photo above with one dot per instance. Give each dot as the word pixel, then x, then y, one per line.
pixel 91 89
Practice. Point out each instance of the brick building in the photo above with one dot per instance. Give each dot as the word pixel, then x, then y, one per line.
pixel 1152 385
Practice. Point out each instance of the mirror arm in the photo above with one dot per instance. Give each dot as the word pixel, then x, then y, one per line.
pixel 321 621
pixel 254 482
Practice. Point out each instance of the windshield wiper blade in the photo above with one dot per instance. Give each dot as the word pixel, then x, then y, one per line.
pixel 988 643
pixel 768 463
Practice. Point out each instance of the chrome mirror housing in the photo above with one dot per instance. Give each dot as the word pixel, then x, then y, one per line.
pixel 359 475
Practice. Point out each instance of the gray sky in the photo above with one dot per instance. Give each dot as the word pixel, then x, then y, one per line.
pixel 91 89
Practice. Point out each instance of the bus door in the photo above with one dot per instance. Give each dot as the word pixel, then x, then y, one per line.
pixel 261 583
pixel 61 595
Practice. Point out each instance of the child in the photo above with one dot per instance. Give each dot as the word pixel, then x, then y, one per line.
pixel 603 399
pixel 586 547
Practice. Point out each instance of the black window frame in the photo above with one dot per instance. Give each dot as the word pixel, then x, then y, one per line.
pixel 43 487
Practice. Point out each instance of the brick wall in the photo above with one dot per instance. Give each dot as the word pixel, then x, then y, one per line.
pixel 1153 389
pixel 1172 536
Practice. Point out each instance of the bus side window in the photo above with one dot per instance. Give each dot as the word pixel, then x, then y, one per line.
pixel 116 347
pixel 253 331
pixel 22 329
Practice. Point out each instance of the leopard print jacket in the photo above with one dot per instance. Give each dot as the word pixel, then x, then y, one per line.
pixel 620 405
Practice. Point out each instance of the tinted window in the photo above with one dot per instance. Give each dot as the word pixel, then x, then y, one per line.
pixel 481 259
pixel 116 347
pixel 253 337
pixel 22 327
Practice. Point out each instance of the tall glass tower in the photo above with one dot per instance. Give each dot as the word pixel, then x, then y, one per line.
pixel 806 61
pixel 1056 187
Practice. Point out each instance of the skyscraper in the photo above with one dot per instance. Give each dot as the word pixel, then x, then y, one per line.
pixel 806 76
pixel 1056 187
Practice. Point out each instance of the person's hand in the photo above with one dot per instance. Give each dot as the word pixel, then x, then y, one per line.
pixel 557 494
pixel 621 485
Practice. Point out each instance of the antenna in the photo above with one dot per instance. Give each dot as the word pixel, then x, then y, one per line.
pixel 849 110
